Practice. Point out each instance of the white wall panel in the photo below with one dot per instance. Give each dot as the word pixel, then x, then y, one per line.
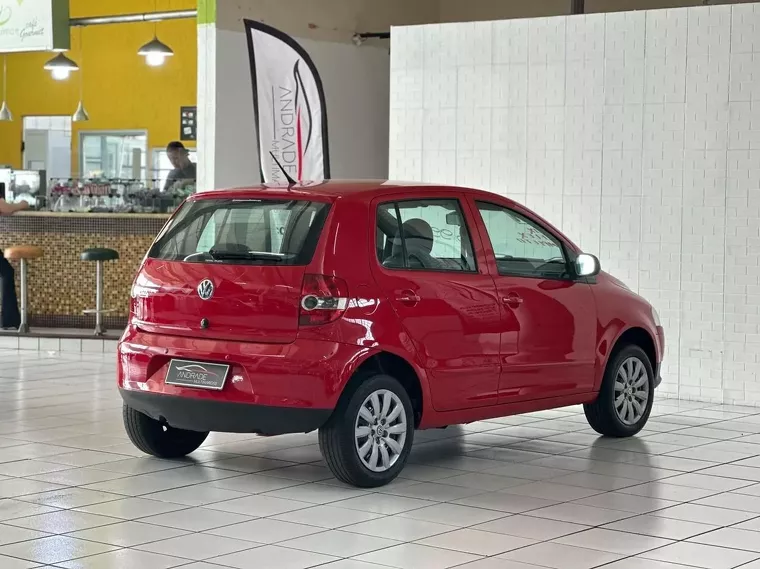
pixel 637 133
pixel 745 29
pixel 510 41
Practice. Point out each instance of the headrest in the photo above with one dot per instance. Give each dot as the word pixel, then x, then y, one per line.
pixel 418 235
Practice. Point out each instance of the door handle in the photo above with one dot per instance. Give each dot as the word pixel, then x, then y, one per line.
pixel 512 300
pixel 408 297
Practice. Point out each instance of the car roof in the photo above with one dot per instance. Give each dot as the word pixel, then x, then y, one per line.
pixel 362 190
pixel 335 189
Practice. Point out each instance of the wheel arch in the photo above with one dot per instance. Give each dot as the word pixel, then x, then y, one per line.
pixel 615 335
pixel 637 337
pixel 602 413
pixel 396 366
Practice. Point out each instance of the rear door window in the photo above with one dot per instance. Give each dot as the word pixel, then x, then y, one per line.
pixel 424 234
pixel 251 231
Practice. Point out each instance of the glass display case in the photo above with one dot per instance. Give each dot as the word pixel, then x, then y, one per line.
pixel 113 196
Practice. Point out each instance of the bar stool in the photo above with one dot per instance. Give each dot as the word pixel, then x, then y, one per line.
pixel 23 254
pixel 99 256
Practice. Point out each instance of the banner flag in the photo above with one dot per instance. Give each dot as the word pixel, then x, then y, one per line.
pixel 289 105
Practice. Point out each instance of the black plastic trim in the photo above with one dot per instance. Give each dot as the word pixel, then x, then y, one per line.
pixel 202 415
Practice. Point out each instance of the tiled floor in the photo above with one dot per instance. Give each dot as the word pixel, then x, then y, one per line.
pixel 539 490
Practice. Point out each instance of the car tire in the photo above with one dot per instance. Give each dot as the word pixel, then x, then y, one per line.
pixel 156 439
pixel 367 440
pixel 626 395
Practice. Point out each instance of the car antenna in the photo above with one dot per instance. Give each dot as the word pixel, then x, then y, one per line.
pixel 291 181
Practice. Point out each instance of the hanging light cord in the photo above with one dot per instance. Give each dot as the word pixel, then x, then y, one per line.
pixel 5 77
pixel 81 64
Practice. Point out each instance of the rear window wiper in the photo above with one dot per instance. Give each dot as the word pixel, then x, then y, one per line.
pixel 249 256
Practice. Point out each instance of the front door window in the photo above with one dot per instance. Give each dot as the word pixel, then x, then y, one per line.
pixel 522 248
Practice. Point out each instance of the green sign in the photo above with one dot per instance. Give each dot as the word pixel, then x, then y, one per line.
pixel 34 25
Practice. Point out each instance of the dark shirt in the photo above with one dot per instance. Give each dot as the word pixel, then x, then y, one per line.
pixel 188 173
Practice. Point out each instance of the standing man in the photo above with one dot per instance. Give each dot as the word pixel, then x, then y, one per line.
pixel 10 318
pixel 184 169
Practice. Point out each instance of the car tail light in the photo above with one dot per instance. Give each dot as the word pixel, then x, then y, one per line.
pixel 323 300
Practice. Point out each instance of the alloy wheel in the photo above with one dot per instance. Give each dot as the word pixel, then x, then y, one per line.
pixel 631 391
pixel 380 430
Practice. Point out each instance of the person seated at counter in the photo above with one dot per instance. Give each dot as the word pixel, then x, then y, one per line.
pixel 184 168
pixel 10 317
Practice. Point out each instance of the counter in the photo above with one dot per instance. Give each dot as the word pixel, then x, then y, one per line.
pixel 61 286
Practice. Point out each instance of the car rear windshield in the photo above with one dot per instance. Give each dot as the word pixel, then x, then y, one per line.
pixel 244 231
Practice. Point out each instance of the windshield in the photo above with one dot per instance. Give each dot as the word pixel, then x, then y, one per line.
pixel 246 231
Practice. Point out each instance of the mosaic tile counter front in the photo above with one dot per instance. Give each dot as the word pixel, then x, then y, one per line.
pixel 61 286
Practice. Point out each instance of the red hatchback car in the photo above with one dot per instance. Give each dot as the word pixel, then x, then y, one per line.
pixel 367 310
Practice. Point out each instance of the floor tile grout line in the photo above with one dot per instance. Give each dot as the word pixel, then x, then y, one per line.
pixel 580 531
pixel 546 454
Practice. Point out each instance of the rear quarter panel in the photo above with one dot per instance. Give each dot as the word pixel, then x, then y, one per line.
pixel 370 323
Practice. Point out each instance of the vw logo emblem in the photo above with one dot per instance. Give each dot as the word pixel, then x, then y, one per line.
pixel 206 289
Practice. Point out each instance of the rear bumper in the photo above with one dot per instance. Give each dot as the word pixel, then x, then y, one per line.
pixel 270 388
pixel 222 416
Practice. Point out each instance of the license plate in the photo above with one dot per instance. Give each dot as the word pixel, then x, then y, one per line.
pixel 196 374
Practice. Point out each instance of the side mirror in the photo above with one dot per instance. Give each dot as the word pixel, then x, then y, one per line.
pixel 587 265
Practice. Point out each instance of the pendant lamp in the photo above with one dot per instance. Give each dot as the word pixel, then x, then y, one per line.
pixel 80 115
pixel 5 112
pixel 61 67
pixel 155 51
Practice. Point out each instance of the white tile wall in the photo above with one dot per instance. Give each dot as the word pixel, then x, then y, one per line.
pixel 638 133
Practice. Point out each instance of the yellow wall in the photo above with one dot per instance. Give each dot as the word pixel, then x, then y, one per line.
pixel 120 90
